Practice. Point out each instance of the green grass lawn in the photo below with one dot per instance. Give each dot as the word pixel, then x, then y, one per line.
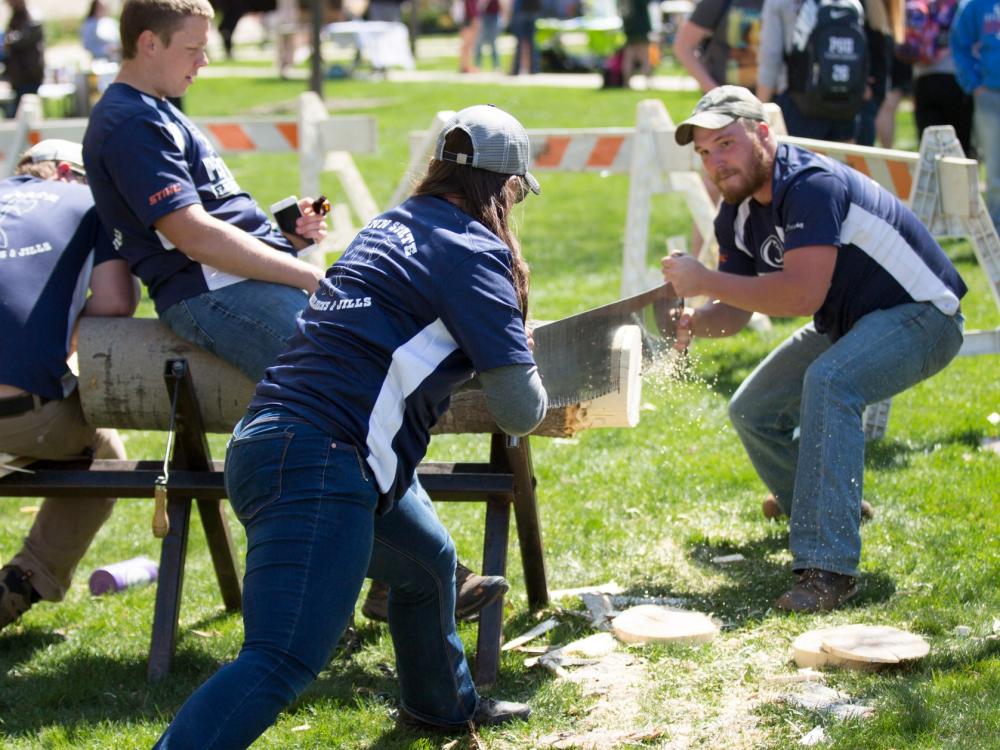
pixel 647 507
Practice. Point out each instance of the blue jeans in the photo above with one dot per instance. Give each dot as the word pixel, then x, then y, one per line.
pixel 822 388
pixel 246 324
pixel 987 120
pixel 489 29
pixel 804 126
pixel 308 505
pixel 865 135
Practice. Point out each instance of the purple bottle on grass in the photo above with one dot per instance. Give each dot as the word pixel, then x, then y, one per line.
pixel 121 575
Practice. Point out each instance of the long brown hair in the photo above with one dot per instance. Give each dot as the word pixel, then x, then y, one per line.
pixel 488 197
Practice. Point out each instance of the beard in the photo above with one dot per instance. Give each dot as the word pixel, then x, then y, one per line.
pixel 751 180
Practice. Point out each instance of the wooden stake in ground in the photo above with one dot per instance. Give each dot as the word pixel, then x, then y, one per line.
pixel 649 623
pixel 864 647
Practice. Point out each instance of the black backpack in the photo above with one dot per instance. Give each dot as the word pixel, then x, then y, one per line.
pixel 828 63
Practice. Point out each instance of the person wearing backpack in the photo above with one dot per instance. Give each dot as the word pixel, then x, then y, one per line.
pixel 975 45
pixel 937 97
pixel 824 36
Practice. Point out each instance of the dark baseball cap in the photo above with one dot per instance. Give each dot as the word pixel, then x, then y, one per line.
pixel 717 109
pixel 499 143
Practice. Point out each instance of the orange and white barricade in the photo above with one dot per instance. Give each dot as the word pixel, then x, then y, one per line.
pixel 324 143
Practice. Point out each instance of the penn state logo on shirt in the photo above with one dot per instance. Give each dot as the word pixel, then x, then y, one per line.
pixel 772 252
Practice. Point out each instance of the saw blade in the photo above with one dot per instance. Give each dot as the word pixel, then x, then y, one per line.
pixel 575 356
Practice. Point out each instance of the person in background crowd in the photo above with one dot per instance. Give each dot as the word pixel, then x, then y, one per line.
pixel 321 468
pixel 900 87
pixel 489 30
pixel 24 53
pixel 802 234
pixel 937 97
pixel 777 31
pixel 385 10
pixel 975 45
pixel 637 28
pixel 99 33
pixel 718 43
pixel 468 32
pixel 884 29
pixel 522 26
pixel 46 204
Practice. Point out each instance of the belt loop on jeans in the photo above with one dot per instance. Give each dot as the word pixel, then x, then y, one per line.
pixel 15 406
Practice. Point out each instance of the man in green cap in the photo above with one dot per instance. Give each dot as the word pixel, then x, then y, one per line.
pixel 801 234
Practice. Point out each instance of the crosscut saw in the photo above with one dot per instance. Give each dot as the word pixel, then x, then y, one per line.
pixel 575 356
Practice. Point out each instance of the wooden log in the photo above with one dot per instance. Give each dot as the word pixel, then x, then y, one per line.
pixel 121 384
pixel 121 376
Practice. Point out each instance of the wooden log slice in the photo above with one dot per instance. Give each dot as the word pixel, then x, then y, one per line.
pixel 878 644
pixel 863 647
pixel 650 623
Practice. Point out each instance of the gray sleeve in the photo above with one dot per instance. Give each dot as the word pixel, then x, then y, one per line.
pixel 771 50
pixel 515 397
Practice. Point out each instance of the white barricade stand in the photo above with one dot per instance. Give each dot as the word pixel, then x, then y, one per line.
pixel 324 143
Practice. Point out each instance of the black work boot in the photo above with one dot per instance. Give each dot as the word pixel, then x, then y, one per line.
pixel 16 594
pixel 489 712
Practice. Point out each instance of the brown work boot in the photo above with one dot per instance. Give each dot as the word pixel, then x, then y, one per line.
pixel 16 594
pixel 472 593
pixel 817 591
pixel 772 511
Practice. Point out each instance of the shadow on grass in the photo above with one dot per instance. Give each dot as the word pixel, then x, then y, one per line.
pixel 754 583
pixel 88 689
pixel 17 647
pixel 892 455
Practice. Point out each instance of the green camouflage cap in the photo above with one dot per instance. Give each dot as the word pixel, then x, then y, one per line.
pixel 717 109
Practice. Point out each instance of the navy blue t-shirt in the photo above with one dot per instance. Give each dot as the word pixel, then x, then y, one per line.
pixel 145 160
pixel 50 240
pixel 421 299
pixel 885 255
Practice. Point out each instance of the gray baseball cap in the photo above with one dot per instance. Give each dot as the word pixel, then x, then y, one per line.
pixel 717 109
pixel 499 143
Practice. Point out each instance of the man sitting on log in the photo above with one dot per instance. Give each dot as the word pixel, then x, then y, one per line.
pixel 53 249
pixel 801 234
pixel 220 274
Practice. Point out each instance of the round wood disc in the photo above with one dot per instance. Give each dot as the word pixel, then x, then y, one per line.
pixel 807 649
pixel 857 646
pixel 878 644
pixel 649 623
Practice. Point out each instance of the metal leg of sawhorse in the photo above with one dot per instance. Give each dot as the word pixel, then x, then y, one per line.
pixel 191 453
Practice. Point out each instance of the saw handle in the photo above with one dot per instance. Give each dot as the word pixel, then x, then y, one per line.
pixel 161 520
